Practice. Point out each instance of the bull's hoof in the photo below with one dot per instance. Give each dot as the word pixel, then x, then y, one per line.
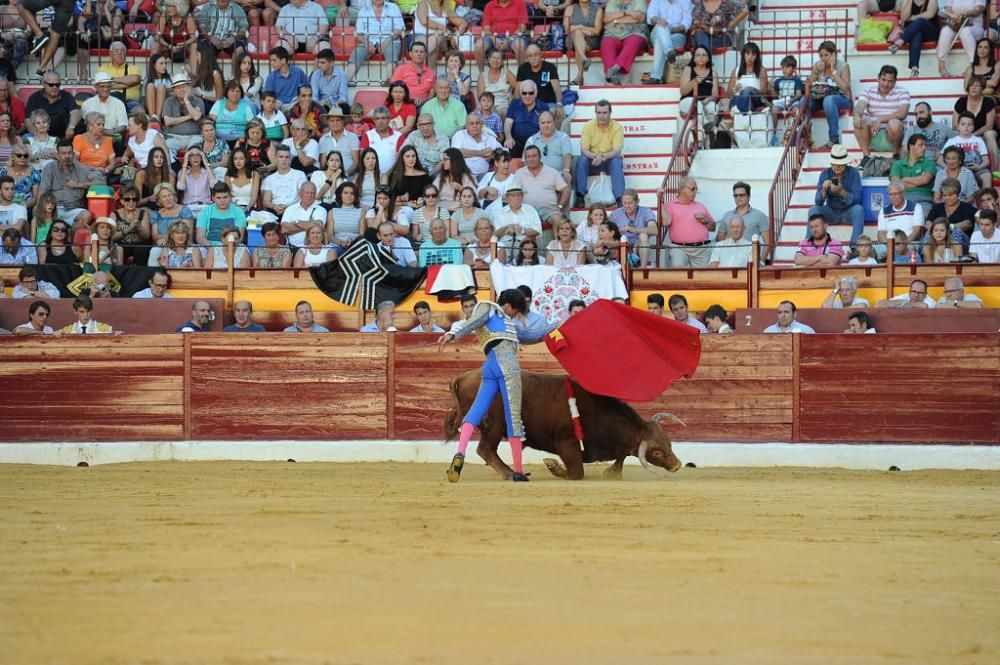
pixel 455 469
pixel 554 467
pixel 518 477
pixel 613 473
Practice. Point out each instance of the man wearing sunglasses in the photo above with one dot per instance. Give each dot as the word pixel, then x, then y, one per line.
pixel 64 114
pixel 522 117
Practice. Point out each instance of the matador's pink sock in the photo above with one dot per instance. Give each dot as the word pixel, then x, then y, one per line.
pixel 465 435
pixel 515 453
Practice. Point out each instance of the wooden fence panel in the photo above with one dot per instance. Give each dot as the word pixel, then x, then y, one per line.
pixel 288 386
pixel 925 388
pixel 92 388
pixel 743 391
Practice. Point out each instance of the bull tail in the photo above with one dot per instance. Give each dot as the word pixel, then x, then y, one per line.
pixel 452 419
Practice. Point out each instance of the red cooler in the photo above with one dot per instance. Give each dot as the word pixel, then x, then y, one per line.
pixel 100 200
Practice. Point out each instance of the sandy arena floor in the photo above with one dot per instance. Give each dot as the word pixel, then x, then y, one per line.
pixel 277 563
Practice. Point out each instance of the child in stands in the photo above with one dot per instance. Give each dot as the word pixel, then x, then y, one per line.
pixel 275 122
pixel 974 147
pixel 359 124
pixel 865 255
pixel 788 89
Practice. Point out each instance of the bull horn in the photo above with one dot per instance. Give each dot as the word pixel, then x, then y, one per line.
pixel 663 415
pixel 642 459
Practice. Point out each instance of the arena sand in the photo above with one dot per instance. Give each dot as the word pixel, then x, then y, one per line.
pixel 278 563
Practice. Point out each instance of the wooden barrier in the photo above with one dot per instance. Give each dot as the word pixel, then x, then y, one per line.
pixel 885 320
pixel 93 388
pixel 138 315
pixel 933 388
pixel 923 388
pixel 288 386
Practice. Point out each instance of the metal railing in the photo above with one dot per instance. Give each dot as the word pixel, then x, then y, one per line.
pixel 685 147
pixel 802 31
pixel 796 142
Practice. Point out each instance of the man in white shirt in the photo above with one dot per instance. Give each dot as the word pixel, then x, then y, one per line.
pixel 515 221
pixel 475 145
pixel 158 285
pixel 383 139
pixel 844 295
pixel 300 216
pixel 29 286
pixel 281 188
pixel 112 108
pixel 955 296
pixel 400 247
pixel 678 305
pixel 900 214
pixel 734 251
pixel 346 143
pixel 985 243
pixel 786 320
pixel 11 214
pixel 916 297
pixel 380 28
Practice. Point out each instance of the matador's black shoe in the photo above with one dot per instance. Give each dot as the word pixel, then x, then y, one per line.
pixel 455 470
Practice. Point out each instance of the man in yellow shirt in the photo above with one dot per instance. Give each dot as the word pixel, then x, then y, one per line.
pixel 601 144
pixel 126 79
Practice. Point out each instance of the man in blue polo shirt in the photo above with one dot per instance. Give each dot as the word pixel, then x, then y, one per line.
pixel 522 117
pixel 284 78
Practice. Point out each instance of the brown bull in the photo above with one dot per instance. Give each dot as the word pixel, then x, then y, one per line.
pixel 612 429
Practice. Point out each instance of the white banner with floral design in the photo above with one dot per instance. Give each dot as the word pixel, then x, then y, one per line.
pixel 553 288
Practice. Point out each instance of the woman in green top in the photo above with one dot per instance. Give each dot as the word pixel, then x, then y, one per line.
pixel 625 37
pixel 231 113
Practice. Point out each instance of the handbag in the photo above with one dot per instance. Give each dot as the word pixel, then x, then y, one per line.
pixel 600 190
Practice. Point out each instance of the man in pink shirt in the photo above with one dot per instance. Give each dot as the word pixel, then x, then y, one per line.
pixel 820 249
pixel 879 114
pixel 689 224
pixel 415 74
pixel 505 28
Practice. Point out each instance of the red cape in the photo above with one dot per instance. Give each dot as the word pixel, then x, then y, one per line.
pixel 620 351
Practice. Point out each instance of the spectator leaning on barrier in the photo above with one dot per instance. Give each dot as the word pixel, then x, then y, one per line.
pixel 916 297
pixel 755 222
pixel 304 320
pixel 602 141
pixel 900 214
pixel 859 323
pixel 689 224
pixel 243 313
pixel 985 242
pixel 38 316
pixel 955 296
pixel 819 249
pixel 786 320
pixel 879 115
pixel 716 320
pixel 838 193
pixel 844 295
pixel 85 324
pixel 159 282
pixel 29 286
